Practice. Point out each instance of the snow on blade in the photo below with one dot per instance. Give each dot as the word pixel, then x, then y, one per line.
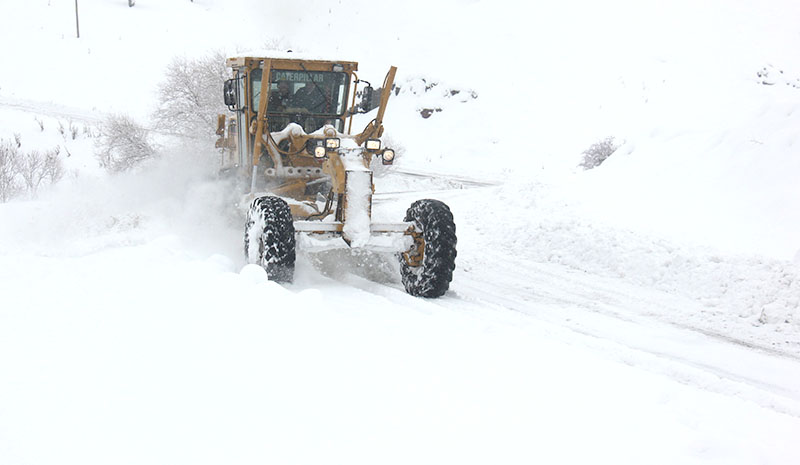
pixel 357 211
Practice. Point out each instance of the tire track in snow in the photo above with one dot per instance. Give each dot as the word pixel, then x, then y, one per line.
pixel 685 355
pixel 608 321
pixel 648 328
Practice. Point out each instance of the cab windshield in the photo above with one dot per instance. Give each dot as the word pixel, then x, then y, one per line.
pixel 309 98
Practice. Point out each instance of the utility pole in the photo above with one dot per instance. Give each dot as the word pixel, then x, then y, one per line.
pixel 77 24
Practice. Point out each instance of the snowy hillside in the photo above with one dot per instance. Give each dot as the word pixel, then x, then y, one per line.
pixel 644 311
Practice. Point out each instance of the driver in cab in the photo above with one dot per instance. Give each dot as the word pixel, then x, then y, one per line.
pixel 281 99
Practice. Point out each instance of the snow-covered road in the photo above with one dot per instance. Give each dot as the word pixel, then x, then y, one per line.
pixel 131 332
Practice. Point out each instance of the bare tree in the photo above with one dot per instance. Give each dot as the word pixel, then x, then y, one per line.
pixel 53 167
pixel 70 130
pixel 123 143
pixel 32 170
pixel 9 171
pixel 190 98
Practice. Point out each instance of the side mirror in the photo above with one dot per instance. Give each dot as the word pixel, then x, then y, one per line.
pixel 366 99
pixel 229 94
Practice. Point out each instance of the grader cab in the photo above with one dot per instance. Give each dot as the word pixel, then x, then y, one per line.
pixel 309 177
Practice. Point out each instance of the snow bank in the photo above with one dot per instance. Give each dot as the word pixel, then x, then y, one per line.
pixel 747 297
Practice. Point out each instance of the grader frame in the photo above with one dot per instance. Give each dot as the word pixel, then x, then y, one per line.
pixel 287 140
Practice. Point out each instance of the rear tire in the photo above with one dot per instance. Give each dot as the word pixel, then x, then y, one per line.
pixel 269 238
pixel 432 277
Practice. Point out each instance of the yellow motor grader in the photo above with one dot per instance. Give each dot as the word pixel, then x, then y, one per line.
pixel 309 177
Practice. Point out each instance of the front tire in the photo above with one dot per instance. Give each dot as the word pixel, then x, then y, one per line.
pixel 427 269
pixel 269 238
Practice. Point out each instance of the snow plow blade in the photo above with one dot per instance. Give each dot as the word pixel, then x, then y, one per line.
pixel 384 237
pixel 338 226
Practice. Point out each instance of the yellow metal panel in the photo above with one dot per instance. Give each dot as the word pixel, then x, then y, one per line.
pixel 387 90
pixel 262 112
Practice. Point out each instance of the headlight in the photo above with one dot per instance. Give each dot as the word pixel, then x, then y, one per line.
pixel 373 144
pixel 316 147
pixel 388 156
pixel 332 143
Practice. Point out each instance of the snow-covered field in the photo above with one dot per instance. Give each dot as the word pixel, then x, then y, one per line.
pixel 646 311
